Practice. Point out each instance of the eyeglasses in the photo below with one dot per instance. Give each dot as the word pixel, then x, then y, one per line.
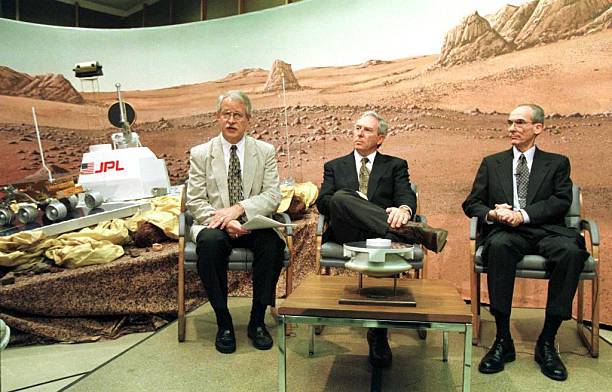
pixel 236 115
pixel 518 123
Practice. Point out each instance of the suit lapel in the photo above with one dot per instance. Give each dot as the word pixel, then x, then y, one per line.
pixel 378 169
pixel 248 166
pixel 350 170
pixel 505 175
pixel 539 170
pixel 219 170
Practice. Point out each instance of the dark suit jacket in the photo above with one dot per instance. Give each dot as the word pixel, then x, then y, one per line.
pixel 388 186
pixel 549 195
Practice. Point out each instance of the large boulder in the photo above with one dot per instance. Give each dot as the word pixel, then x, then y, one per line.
pixel 499 19
pixel 601 23
pixel 279 70
pixel 473 39
pixel 553 20
pixel 51 87
pixel 513 26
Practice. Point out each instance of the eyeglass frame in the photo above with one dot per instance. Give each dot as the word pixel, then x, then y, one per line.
pixel 237 116
pixel 522 122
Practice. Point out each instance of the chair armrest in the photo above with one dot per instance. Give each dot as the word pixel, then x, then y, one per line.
pixel 284 218
pixel 182 228
pixel 185 223
pixel 320 224
pixel 473 228
pixel 590 226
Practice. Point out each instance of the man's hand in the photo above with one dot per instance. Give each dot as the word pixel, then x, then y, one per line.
pixel 234 229
pixel 503 213
pixel 397 217
pixel 514 219
pixel 500 212
pixel 222 217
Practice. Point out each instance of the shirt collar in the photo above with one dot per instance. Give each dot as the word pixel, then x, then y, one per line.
pixel 227 145
pixel 370 157
pixel 528 154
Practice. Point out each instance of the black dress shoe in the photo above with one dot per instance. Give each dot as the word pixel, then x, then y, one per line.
pixel 225 342
pixel 260 337
pixel 421 233
pixel 380 353
pixel 550 362
pixel 501 351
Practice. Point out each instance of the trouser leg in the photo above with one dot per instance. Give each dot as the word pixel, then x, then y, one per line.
pixel 567 261
pixel 503 250
pixel 213 249
pixel 352 218
pixel 268 249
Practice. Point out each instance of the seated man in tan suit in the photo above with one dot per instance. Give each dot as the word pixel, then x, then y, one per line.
pixel 232 178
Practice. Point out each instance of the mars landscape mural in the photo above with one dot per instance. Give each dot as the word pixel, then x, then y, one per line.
pixel 446 112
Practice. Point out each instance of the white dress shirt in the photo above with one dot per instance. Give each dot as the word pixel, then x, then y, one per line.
pixel 529 157
pixel 227 150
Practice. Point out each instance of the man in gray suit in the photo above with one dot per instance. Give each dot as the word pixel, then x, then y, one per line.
pixel 233 178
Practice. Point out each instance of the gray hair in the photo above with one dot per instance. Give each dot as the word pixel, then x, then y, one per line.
pixel 383 127
pixel 537 113
pixel 238 95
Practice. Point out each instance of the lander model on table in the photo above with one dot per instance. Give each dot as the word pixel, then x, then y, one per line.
pixel 379 258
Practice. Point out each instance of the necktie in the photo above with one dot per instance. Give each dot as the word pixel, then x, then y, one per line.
pixel 364 176
pixel 234 178
pixel 522 180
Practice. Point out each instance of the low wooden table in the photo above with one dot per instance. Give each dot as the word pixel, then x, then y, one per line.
pixel 315 302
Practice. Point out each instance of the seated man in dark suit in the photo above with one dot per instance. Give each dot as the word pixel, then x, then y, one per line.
pixel 523 195
pixel 367 194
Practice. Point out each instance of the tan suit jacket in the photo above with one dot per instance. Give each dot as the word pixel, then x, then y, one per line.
pixel 207 188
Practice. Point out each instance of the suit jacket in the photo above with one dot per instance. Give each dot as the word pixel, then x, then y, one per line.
pixel 549 195
pixel 388 186
pixel 207 188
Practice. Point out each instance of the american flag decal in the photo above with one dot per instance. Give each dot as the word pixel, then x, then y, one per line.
pixel 87 168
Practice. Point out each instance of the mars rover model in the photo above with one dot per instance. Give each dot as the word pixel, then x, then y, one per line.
pixel 111 177
pixel 124 170
pixel 54 196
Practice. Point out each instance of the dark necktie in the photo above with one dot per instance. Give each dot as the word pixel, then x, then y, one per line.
pixel 364 176
pixel 234 178
pixel 522 180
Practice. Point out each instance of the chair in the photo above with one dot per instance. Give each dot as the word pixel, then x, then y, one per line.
pixel 331 255
pixel 241 259
pixel 534 267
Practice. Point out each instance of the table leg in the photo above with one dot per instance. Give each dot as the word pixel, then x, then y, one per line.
pixel 311 341
pixel 282 357
pixel 467 357
pixel 445 346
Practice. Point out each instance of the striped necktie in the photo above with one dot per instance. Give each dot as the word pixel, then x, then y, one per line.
pixel 522 180
pixel 234 177
pixel 364 176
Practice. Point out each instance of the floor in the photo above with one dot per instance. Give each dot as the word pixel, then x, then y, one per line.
pixel 147 362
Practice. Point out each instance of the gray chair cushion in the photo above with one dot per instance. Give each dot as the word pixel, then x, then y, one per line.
pixel 534 266
pixel 332 255
pixel 240 259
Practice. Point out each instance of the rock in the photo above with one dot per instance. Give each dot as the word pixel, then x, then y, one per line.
pixel 515 23
pixel 51 87
pixel 558 19
pixel 7 279
pixel 473 39
pixel 279 70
